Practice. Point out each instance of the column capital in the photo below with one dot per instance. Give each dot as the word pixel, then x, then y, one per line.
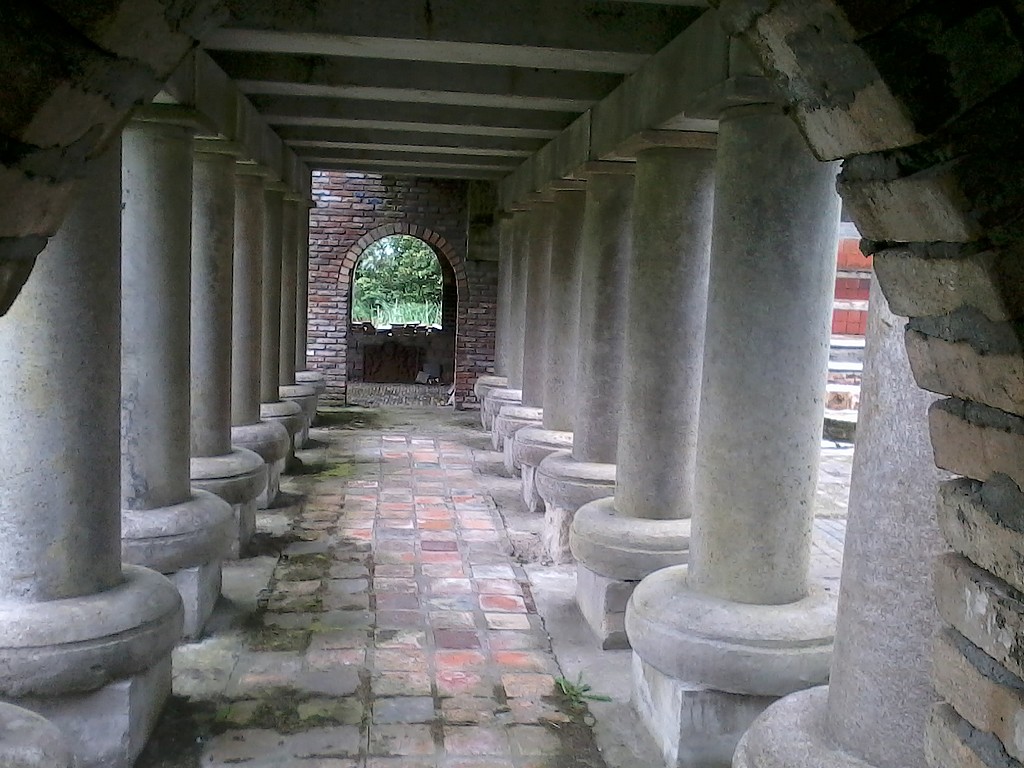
pixel 604 168
pixel 214 145
pixel 173 114
pixel 645 140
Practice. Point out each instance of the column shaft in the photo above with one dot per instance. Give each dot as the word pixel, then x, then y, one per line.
pixel 157 210
pixel 562 318
pixel 537 255
pixel 880 689
pixel 769 318
pixel 60 354
pixel 270 359
pixel 302 284
pixel 502 332
pixel 247 302
pixel 880 694
pixel 606 251
pixel 289 282
pixel 213 238
pixel 664 347
pixel 517 303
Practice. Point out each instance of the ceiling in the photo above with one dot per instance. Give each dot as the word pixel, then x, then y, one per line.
pixel 444 88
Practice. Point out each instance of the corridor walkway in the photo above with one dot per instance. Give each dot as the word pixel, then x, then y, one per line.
pixel 385 622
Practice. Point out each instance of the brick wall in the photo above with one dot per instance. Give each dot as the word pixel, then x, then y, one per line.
pixel 354 210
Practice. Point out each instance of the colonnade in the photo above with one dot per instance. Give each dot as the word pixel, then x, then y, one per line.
pixel 150 337
pixel 687 502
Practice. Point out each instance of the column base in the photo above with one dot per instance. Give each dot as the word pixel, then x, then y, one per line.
pixel 530 446
pixel 482 386
pixel 494 400
pixel 28 740
pixel 291 416
pixel 565 485
pixel 729 659
pixel 238 478
pixel 109 727
pixel 306 398
pixel 318 382
pixel 791 734
pixel 68 659
pixel 617 551
pixel 510 419
pixel 199 588
pixel 270 442
pixel 695 727
pixel 193 536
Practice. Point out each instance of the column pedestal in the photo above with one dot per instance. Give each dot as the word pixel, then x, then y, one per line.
pixel 509 420
pixel 315 381
pixel 529 447
pixel 306 398
pixel 567 481
pixel 482 386
pixel 75 626
pixel 270 441
pixel 494 400
pixel 30 741
pixel 613 552
pixel 240 478
pixel 165 524
pixel 718 639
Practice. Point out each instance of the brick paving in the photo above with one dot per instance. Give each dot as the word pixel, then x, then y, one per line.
pixel 395 630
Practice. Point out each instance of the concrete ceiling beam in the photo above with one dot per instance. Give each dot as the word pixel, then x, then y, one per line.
pixel 569 34
pixel 428 170
pixel 278 107
pixel 490 162
pixel 439 142
pixel 433 82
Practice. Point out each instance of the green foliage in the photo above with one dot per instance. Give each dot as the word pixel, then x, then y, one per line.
pixel 578 693
pixel 397 280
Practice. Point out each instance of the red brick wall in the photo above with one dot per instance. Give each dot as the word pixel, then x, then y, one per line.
pixel 354 210
pixel 852 287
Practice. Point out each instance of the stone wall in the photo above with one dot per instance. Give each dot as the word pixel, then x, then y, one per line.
pixel 924 101
pixel 354 210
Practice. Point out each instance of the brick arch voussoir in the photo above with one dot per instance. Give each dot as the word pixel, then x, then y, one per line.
pixel 436 241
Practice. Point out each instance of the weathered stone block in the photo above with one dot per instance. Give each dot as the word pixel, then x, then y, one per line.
pixel 951 742
pixel 984 522
pixel 959 369
pixel 922 279
pixel 692 724
pixel 977 441
pixel 980 690
pixel 985 610
pixel 602 601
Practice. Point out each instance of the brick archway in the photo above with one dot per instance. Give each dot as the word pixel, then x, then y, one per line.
pixel 452 263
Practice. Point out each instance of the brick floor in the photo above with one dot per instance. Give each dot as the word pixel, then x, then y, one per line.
pixel 396 630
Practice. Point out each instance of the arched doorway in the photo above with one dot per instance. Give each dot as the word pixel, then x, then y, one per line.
pixel 404 286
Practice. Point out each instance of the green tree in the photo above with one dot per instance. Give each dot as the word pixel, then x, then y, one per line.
pixel 397 280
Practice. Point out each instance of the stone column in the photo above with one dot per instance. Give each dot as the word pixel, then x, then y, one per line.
pixel 165 524
pixel 499 380
pixel 288 390
pixel 272 407
pixel 716 641
pixel 568 480
pixel 531 445
pixel 314 379
pixel 237 475
pixel 269 439
pixel 512 418
pixel 874 710
pixel 498 397
pixel 84 641
pixel 646 526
